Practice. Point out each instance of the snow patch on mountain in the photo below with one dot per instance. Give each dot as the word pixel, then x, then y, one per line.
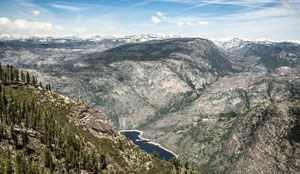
pixel 93 38
pixel 238 43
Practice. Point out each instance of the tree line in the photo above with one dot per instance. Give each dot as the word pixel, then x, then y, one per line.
pixel 23 124
pixel 11 75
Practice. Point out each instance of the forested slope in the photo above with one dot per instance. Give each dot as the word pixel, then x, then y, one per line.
pixel 43 132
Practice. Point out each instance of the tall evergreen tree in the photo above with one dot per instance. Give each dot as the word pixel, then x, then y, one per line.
pixel 22 76
pixel 103 162
pixel 17 75
pixel 1 73
pixel 41 85
pixel 33 80
pixel 47 158
pixel 21 164
pixel 25 138
pixel 7 166
pixel 27 78
pixel 12 73
pixel 13 137
pixel 1 132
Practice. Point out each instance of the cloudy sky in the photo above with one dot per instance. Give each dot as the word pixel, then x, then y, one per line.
pixel 214 19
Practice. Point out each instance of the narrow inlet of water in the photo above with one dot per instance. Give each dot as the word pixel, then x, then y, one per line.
pixel 148 146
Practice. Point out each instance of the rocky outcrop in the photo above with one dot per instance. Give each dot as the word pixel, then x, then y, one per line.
pixel 266 139
pixel 92 118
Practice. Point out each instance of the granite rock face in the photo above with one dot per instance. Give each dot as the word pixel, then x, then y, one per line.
pixel 266 139
pixel 92 118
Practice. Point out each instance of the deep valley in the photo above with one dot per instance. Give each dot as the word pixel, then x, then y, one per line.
pixel 223 105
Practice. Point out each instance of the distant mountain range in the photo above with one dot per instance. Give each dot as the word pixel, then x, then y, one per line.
pixel 131 38
pixel 93 38
pixel 215 103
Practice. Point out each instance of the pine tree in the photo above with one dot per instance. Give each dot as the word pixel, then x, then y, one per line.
pixel 47 158
pixel 2 167
pixel 186 165
pixel 48 87
pixel 7 166
pixel 1 110
pixel 5 78
pixel 12 73
pixel 21 164
pixel 1 132
pixel 7 73
pixel 27 78
pixel 68 158
pixel 33 80
pixel 22 76
pixel 41 85
pixel 103 163
pixel 4 99
pixel 175 162
pixel 4 105
pixel 13 137
pixel 17 75
pixel 25 138
pixel 1 71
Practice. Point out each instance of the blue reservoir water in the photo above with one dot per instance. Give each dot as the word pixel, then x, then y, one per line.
pixel 146 146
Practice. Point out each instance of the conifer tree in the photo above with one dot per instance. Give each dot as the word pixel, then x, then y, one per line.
pixel 2 167
pixel 27 78
pixel 33 80
pixel 14 137
pixel 41 85
pixel 47 158
pixel 5 78
pixel 6 166
pixel 12 73
pixel 1 132
pixel 22 76
pixel 186 165
pixel 25 138
pixel 21 164
pixel 103 162
pixel 17 75
pixel 1 71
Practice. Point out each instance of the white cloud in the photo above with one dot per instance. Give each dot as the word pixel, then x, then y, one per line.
pixel 274 23
pixel 111 28
pixel 161 15
pixel 256 15
pixel 80 30
pixel 35 13
pixel 180 21
pixel 4 22
pixel 22 26
pixel 288 6
pixel 246 3
pixel 203 22
pixel 66 7
pixel 155 19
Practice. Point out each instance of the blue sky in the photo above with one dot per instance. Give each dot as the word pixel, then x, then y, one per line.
pixel 214 19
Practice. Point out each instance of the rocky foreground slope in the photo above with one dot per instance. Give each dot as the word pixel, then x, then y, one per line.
pixel 186 93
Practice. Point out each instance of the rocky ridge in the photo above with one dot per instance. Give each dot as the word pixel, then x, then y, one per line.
pixel 264 139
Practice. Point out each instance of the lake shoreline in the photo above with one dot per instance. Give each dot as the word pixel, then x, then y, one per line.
pixel 149 140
